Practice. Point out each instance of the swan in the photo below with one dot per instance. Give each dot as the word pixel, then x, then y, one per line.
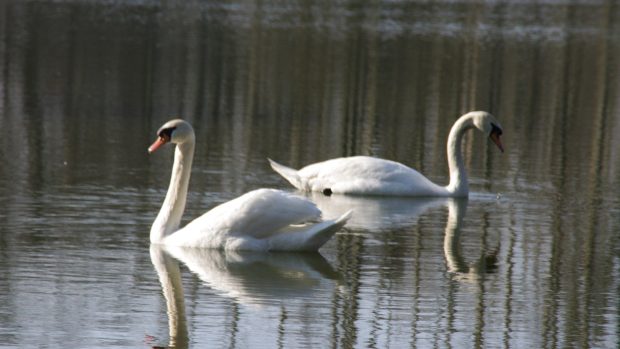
pixel 365 175
pixel 260 220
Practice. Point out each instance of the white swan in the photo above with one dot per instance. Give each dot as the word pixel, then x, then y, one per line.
pixel 263 219
pixel 365 175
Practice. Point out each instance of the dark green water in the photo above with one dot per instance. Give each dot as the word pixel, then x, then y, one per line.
pixel 532 259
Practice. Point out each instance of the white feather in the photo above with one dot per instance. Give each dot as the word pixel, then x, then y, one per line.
pixel 263 219
pixel 365 175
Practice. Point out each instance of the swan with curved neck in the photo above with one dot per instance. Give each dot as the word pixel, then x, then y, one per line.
pixel 263 219
pixel 365 175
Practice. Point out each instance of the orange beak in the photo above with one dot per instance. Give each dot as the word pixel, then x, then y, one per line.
pixel 495 138
pixel 158 143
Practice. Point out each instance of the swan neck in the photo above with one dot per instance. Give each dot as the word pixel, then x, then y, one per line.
pixel 171 212
pixel 458 175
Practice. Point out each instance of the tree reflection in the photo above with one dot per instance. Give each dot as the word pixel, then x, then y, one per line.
pixel 83 82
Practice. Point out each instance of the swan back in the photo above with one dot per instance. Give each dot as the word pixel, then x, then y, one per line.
pixel 261 220
pixel 259 213
pixel 360 175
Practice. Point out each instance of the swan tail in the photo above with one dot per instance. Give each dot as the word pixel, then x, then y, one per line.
pixel 322 236
pixel 314 237
pixel 288 173
pixel 342 220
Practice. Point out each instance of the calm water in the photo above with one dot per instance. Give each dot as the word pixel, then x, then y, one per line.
pixel 531 260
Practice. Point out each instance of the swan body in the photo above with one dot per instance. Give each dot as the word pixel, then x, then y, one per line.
pixel 263 219
pixel 365 175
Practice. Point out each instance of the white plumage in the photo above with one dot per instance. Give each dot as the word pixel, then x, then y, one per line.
pixel 263 219
pixel 361 175
pixel 365 175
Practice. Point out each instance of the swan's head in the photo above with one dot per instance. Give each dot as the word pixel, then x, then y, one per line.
pixel 487 123
pixel 175 131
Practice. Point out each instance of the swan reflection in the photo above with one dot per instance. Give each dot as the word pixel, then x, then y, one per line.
pixel 386 213
pixel 375 213
pixel 455 262
pixel 169 274
pixel 255 277
pixel 250 278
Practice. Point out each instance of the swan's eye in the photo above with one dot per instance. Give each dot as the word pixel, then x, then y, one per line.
pixel 166 133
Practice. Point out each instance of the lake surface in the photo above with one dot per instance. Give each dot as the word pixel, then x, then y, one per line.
pixel 531 260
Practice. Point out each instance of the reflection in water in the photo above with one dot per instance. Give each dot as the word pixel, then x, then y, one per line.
pixel 375 213
pixel 84 83
pixel 170 278
pixel 255 278
pixel 456 263
pixel 274 280
pixel 389 213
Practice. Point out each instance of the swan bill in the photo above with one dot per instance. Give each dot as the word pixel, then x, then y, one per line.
pixel 165 136
pixel 496 131
pixel 495 139
pixel 158 143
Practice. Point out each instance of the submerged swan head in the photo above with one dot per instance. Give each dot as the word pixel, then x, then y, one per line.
pixel 487 123
pixel 175 131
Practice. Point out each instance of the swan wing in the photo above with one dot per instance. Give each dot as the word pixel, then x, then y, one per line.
pixel 257 214
pixel 288 173
pixel 263 219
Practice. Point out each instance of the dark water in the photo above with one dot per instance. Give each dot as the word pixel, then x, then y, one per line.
pixel 532 259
